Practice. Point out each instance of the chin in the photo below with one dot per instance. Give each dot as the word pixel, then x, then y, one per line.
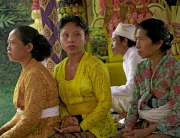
pixel 12 59
pixel 142 57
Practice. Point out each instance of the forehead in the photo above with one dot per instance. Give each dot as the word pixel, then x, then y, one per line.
pixel 13 35
pixel 115 36
pixel 141 32
pixel 71 27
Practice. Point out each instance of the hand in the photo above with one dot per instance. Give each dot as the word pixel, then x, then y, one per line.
pixel 69 129
pixel 127 129
pixel 2 131
pixel 69 121
pixel 140 133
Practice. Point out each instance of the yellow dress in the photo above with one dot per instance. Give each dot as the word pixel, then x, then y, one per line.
pixel 36 90
pixel 88 95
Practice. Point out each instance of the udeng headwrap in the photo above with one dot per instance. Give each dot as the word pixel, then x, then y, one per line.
pixel 125 30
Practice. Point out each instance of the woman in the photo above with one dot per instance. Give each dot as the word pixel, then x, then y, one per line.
pixel 36 93
pixel 84 85
pixel 155 102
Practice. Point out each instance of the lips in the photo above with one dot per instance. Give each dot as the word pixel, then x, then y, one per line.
pixel 8 53
pixel 71 46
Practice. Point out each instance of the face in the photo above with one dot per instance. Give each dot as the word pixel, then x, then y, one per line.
pixel 16 50
pixel 146 49
pixel 72 39
pixel 118 47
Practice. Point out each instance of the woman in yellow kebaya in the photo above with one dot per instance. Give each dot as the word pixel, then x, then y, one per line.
pixel 84 85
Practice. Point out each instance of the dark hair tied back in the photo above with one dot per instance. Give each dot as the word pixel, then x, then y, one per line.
pixel 41 46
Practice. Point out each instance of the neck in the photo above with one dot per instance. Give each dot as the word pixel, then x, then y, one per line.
pixel 123 52
pixel 155 60
pixel 74 59
pixel 25 62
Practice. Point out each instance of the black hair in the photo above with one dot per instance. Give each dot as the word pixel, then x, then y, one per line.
pixel 130 42
pixel 41 46
pixel 77 20
pixel 157 30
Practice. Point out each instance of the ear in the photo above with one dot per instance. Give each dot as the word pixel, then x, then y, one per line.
pixel 86 38
pixel 125 41
pixel 29 47
pixel 159 44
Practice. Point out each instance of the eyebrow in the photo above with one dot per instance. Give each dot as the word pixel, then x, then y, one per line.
pixel 73 31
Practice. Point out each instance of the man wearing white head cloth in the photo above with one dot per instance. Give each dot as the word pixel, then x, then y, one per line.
pixel 123 43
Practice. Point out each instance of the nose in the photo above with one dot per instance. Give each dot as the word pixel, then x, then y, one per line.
pixel 137 45
pixel 8 47
pixel 71 39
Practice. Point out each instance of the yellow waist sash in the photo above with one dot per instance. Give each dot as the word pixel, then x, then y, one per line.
pixel 81 108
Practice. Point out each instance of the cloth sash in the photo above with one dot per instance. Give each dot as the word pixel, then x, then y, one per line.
pixel 155 114
pixel 48 112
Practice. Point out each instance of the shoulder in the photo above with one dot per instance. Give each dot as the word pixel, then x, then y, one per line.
pixel 93 64
pixel 94 61
pixel 60 64
pixel 133 60
pixel 38 74
pixel 171 62
pixel 144 63
pixel 133 54
pixel 39 69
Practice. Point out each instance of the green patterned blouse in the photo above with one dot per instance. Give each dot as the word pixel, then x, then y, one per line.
pixel 155 90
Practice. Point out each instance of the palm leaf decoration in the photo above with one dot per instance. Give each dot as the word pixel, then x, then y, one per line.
pixel 5 19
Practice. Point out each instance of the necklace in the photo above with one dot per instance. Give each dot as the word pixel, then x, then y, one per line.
pixel 73 67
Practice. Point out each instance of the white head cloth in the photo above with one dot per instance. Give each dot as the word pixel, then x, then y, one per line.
pixel 125 30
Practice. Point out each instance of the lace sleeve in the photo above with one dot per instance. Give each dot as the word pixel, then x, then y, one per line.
pixel 11 123
pixel 99 76
pixel 34 101
pixel 62 108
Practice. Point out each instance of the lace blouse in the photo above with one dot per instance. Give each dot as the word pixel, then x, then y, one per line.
pixel 36 90
pixel 88 94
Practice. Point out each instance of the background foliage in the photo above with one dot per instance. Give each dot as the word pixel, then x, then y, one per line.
pixel 13 13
